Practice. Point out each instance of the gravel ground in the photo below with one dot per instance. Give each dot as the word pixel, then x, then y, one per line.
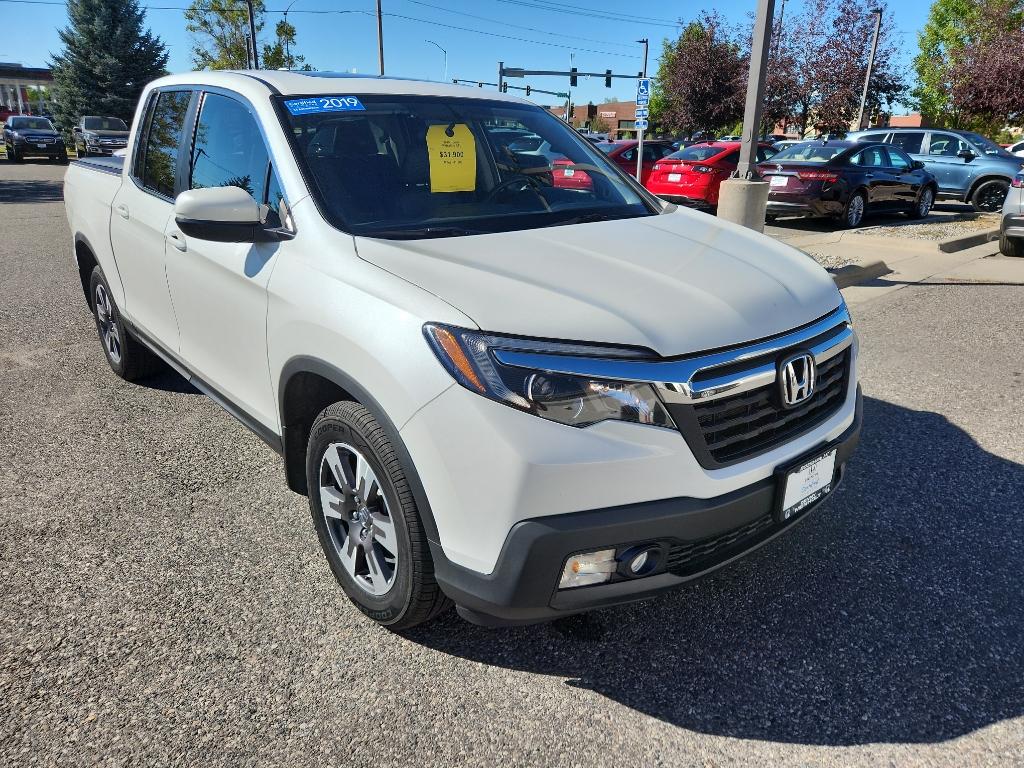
pixel 935 229
pixel 163 600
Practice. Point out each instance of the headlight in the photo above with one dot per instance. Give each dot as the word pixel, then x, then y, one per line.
pixel 90 136
pixel 573 400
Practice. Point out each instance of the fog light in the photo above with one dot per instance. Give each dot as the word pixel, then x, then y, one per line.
pixel 636 565
pixel 588 568
pixel 640 561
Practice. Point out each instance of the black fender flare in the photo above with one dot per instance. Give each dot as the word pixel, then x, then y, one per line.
pixel 294 445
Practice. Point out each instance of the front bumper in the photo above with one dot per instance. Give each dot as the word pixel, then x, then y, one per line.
pixel 32 149
pixel 1012 225
pixel 522 588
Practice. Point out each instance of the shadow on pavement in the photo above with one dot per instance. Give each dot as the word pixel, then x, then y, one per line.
pixel 31 191
pixel 892 614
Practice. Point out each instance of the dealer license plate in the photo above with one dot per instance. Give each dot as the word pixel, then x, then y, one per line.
pixel 806 483
pixel 569 172
pixel 675 176
pixel 779 181
pixel 41 146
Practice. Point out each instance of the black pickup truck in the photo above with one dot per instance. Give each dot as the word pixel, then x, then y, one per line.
pixel 26 136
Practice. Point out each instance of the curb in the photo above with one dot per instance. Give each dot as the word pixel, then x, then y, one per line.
pixel 854 274
pixel 963 242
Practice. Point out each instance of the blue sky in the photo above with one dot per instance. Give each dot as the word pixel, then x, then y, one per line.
pixel 349 41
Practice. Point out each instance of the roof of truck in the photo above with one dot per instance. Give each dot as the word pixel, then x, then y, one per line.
pixel 335 83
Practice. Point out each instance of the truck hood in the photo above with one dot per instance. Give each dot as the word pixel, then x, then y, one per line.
pixel 678 283
pixel 107 134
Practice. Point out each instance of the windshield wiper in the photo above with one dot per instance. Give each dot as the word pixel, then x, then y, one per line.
pixel 419 233
pixel 586 218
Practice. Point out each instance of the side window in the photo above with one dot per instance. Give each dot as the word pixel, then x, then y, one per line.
pixel 910 142
pixel 871 157
pixel 898 160
pixel 274 197
pixel 872 137
pixel 765 153
pixel 228 150
pixel 164 136
pixel 628 155
pixel 945 145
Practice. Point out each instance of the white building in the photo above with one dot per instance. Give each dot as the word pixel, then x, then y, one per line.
pixel 20 90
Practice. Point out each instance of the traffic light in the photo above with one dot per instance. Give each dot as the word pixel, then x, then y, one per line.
pixel 504 87
pixel 572 77
pixel 607 78
pixel 527 90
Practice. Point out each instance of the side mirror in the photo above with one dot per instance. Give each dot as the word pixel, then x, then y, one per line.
pixel 917 165
pixel 224 215
pixel 76 129
pixel 966 154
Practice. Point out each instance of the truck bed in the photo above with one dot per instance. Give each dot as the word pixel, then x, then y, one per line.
pixel 105 164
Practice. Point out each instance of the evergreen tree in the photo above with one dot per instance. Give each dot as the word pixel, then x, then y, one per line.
pixel 108 58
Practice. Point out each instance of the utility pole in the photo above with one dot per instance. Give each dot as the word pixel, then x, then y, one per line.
pixel 444 77
pixel 287 48
pixel 744 197
pixel 252 34
pixel 871 64
pixel 380 38
pixel 640 134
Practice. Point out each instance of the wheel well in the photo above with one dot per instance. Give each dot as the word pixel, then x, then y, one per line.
pixel 86 264
pixel 978 182
pixel 305 395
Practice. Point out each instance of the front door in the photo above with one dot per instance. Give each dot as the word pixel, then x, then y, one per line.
pixel 220 289
pixel 138 221
pixel 952 172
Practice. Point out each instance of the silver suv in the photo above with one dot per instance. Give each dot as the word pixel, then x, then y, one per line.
pixel 1011 228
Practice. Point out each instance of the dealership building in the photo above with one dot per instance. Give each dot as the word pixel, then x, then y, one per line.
pixel 617 118
pixel 24 90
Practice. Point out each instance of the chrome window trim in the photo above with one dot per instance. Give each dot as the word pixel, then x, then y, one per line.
pixel 674 378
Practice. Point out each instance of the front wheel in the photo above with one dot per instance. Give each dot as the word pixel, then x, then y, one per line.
pixel 853 211
pixel 989 196
pixel 1011 246
pixel 367 521
pixel 923 204
pixel 12 155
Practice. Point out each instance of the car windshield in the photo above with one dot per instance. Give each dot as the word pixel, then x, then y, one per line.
pixel 30 124
pixel 420 166
pixel 987 146
pixel 105 124
pixel 698 152
pixel 808 152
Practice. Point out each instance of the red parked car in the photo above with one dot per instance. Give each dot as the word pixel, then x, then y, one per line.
pixel 693 175
pixel 623 153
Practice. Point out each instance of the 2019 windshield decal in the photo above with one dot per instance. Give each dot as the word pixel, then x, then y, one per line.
pixel 320 104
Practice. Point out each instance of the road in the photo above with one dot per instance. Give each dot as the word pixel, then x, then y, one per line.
pixel 163 599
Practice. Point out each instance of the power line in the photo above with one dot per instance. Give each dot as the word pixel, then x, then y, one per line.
pixel 516 26
pixel 575 10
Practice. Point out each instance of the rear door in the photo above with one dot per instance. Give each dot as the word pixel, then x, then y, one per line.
pixel 220 289
pixel 142 209
pixel 908 181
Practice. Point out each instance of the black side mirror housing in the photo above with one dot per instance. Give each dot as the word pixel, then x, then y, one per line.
pixel 917 165
pixel 966 154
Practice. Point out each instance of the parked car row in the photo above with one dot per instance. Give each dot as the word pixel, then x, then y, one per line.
pixel 31 136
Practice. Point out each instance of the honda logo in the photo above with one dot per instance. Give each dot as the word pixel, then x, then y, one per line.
pixel 796 379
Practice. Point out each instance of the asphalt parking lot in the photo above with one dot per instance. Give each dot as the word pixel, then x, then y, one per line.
pixel 163 598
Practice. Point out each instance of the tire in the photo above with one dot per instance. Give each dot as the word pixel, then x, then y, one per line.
pixel 126 356
pixel 83 152
pixel 990 195
pixel 13 156
pixel 770 218
pixel 853 211
pixel 1011 246
pixel 923 204
pixel 348 452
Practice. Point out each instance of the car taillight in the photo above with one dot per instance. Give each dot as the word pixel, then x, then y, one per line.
pixel 703 169
pixel 656 166
pixel 817 176
pixel 1018 181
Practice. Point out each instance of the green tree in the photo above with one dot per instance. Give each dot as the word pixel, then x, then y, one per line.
pixel 951 25
pixel 220 30
pixel 278 55
pixel 107 58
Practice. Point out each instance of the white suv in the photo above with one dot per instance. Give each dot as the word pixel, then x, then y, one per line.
pixel 527 393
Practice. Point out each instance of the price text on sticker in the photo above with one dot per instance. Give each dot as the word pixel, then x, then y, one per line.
pixel 452 158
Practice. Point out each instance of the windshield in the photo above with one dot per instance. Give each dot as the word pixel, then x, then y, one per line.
pixel 420 166
pixel 698 152
pixel 29 124
pixel 105 124
pixel 987 146
pixel 808 152
pixel 606 146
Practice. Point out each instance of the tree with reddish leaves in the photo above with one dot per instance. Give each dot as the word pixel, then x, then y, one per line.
pixel 704 78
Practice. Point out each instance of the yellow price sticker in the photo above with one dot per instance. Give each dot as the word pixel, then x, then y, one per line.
pixel 452 158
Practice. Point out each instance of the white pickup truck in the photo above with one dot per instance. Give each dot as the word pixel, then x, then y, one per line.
pixel 507 379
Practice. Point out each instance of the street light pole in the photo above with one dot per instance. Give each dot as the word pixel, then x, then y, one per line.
pixel 871 64
pixel 287 48
pixel 444 77
pixel 640 134
pixel 380 39
pixel 252 34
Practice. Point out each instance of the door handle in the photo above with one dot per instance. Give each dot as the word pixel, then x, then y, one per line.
pixel 177 240
pixel 122 211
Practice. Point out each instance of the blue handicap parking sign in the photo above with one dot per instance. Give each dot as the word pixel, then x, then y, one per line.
pixel 643 91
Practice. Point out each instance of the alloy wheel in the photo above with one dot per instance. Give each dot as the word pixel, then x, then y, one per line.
pixel 106 319
pixel 924 205
pixel 856 211
pixel 992 197
pixel 358 518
